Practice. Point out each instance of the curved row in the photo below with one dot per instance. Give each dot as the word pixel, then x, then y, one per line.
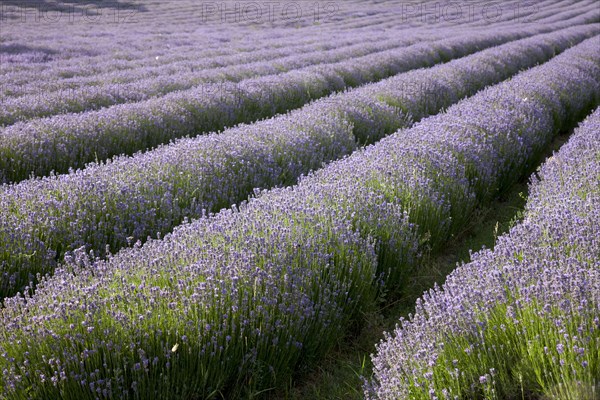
pixel 70 141
pixel 68 99
pixel 142 50
pixel 536 296
pixel 173 50
pixel 131 198
pixel 185 56
pixel 98 45
pixel 240 299
pixel 158 82
pixel 279 60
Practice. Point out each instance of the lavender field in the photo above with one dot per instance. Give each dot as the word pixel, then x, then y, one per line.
pixel 206 199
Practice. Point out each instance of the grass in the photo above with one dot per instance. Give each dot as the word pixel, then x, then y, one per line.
pixel 529 367
pixel 340 374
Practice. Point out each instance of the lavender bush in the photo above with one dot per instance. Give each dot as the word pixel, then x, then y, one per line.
pixel 72 140
pixel 104 90
pixel 188 59
pixel 96 48
pixel 239 300
pixel 448 163
pixel 132 198
pixel 522 319
pixel 42 97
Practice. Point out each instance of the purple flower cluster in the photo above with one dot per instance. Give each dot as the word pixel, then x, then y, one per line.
pixel 188 59
pixel 447 163
pixel 219 304
pixel 132 198
pixel 39 99
pixel 548 262
pixel 67 141
pixel 33 94
pixel 240 299
pixel 152 54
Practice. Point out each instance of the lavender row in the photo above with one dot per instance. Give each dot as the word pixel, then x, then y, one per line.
pixel 96 41
pixel 37 83
pixel 177 50
pixel 545 271
pixel 127 89
pixel 28 84
pixel 435 14
pixel 72 140
pixel 101 45
pixel 171 47
pixel 101 64
pixel 240 300
pixel 132 198
pixel 183 48
pixel 90 55
pixel 450 162
pixel 74 99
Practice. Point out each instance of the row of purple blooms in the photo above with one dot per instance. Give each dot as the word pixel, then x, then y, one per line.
pixel 351 14
pixel 240 300
pixel 91 93
pixel 549 262
pixel 181 55
pixel 106 48
pixel 104 90
pixel 72 140
pixel 173 50
pixel 131 198
pixel 191 59
pixel 95 48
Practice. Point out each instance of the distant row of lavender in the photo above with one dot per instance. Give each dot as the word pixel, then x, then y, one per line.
pixel 359 14
pixel 237 301
pixel 153 28
pixel 152 31
pixel 86 60
pixel 24 78
pixel 176 50
pixel 189 61
pixel 70 141
pixel 132 198
pixel 545 271
pixel 105 46
pixel 143 83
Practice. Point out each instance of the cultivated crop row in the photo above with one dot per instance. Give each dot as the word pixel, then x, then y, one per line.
pixel 131 198
pixel 91 93
pixel 176 52
pixel 141 84
pixel 239 300
pixel 521 317
pixel 103 49
pixel 70 141
pixel 87 60
pixel 87 50
pixel 192 69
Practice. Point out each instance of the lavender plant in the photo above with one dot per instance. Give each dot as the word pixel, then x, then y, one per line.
pixel 104 90
pixel 239 300
pixel 132 198
pixel 189 58
pixel 447 164
pixel 49 96
pixel 523 319
pixel 72 140
pixel 183 56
